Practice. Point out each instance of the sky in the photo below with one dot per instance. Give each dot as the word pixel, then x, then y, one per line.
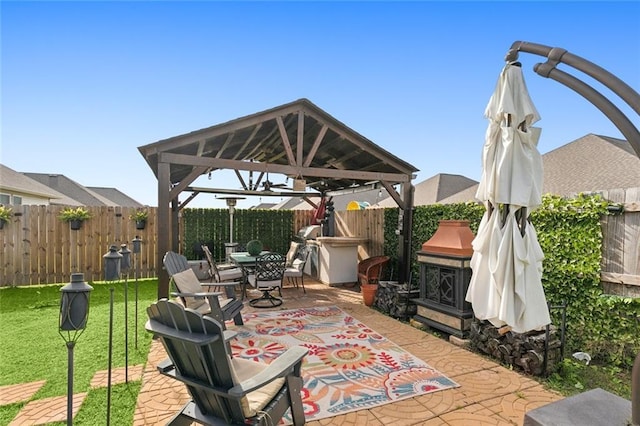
pixel 84 84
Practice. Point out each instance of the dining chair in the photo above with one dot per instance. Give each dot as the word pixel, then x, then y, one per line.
pixel 292 254
pixel 296 270
pixel 267 277
pixel 219 275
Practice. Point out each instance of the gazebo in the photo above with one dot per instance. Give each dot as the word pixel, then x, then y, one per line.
pixel 299 140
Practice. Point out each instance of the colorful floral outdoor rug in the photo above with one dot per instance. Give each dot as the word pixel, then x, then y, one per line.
pixel 349 367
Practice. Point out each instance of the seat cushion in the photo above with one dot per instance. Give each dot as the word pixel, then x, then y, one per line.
pixel 293 271
pixel 230 274
pixel 187 282
pixel 243 369
pixel 268 284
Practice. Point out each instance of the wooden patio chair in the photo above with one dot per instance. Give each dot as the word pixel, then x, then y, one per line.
pixel 190 291
pixel 267 277
pixel 223 389
pixel 370 269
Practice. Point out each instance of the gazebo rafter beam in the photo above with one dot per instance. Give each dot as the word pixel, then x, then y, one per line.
pixel 316 145
pixel 206 162
pixel 285 141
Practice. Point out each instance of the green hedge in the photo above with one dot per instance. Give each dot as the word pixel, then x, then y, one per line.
pixel 605 326
pixel 274 228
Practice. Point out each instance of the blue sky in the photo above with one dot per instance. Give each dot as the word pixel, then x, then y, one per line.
pixel 86 83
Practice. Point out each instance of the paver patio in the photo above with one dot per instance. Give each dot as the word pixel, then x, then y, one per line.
pixel 489 394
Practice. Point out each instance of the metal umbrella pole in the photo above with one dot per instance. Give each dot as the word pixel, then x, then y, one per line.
pixel 556 55
pixel 548 69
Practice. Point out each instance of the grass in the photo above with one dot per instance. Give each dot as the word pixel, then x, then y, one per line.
pixel 574 377
pixel 32 349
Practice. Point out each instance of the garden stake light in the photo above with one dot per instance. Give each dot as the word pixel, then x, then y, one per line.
pixel 74 313
pixel 136 250
pixel 111 273
pixel 125 264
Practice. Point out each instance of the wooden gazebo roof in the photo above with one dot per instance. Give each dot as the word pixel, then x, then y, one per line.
pixel 298 140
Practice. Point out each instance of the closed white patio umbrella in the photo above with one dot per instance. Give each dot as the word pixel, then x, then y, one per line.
pixel 506 287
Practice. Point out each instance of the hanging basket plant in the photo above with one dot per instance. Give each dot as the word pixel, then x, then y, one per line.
pixel 5 215
pixel 140 218
pixel 75 217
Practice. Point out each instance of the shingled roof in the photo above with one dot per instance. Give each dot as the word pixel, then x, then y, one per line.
pixel 591 163
pixel 116 196
pixel 71 189
pixel 435 189
pixel 16 182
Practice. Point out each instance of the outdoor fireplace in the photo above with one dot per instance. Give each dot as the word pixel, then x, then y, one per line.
pixel 445 273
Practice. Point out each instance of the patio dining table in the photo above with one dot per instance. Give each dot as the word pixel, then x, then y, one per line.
pixel 248 263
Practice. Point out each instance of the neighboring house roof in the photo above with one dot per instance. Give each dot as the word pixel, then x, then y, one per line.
pixel 267 206
pixel 464 196
pixel 16 182
pixel 288 203
pixel 116 196
pixel 72 189
pixel 591 163
pixel 434 189
pixel 340 201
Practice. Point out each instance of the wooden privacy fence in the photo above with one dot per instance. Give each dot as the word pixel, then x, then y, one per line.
pixel 39 248
pixel 368 224
pixel 621 244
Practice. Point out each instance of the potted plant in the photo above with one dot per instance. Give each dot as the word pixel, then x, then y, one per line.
pixel 5 215
pixel 254 247
pixel 140 218
pixel 75 217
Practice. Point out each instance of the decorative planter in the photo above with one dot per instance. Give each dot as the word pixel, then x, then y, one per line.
pixel 369 293
pixel 75 224
pixel 140 224
pixel 2 222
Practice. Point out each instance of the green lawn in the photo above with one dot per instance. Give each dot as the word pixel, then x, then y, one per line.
pixel 32 349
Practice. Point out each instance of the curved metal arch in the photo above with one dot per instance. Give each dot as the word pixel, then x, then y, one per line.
pixel 548 69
